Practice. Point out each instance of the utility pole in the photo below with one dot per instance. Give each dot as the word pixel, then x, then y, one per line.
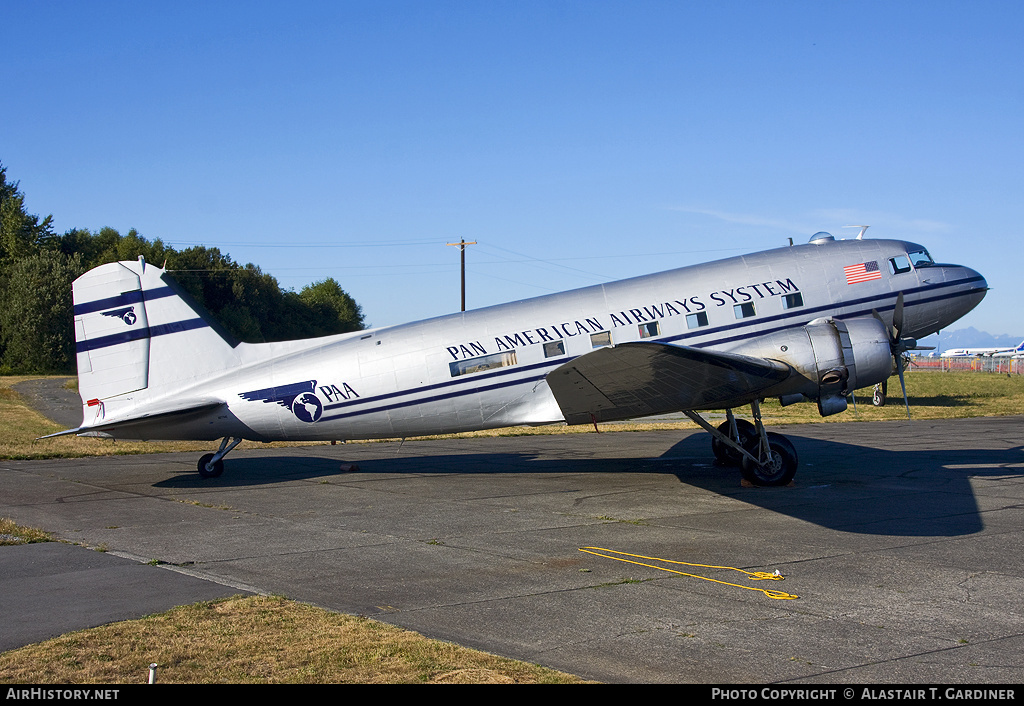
pixel 462 250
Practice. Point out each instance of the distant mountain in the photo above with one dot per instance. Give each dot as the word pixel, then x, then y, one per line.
pixel 969 338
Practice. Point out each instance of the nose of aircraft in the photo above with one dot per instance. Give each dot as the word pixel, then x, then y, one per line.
pixel 972 287
pixel 976 279
pixel 982 282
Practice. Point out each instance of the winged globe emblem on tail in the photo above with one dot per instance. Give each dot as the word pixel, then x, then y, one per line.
pixel 126 315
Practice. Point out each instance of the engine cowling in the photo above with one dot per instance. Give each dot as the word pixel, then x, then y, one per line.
pixel 830 357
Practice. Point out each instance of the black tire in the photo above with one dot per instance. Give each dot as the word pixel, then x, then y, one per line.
pixel 881 390
pixel 218 467
pixel 725 454
pixel 779 471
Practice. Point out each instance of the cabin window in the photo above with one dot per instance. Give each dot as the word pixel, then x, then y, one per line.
pixel 599 340
pixel 697 320
pixel 792 301
pixel 554 348
pixel 650 329
pixel 484 362
pixel 899 264
pixel 744 310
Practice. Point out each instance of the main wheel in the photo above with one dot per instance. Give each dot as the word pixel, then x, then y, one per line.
pixel 217 469
pixel 781 467
pixel 727 455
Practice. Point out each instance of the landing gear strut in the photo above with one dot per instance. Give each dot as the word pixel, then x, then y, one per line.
pixel 212 465
pixel 739 430
pixel 765 458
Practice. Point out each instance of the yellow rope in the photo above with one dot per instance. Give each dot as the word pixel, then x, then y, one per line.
pixel 754 575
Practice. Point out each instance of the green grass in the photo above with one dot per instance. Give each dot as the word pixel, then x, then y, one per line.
pixel 11 533
pixel 932 395
pixel 261 640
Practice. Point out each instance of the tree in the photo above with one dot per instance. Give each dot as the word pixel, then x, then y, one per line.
pixel 108 245
pixel 37 268
pixel 21 234
pixel 36 320
pixel 336 310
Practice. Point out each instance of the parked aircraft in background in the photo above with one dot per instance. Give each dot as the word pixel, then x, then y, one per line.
pixel 1017 352
pixel 961 352
pixel 810 322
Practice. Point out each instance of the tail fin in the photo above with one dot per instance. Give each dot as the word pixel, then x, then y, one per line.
pixel 138 337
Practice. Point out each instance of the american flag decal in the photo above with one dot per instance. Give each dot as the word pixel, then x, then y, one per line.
pixel 863 272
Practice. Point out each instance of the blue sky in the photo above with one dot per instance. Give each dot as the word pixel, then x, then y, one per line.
pixel 576 142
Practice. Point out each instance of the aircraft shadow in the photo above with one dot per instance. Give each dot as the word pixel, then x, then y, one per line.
pixel 933 401
pixel 913 492
pixel 864 490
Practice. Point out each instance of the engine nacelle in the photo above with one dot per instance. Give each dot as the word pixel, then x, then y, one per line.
pixel 830 358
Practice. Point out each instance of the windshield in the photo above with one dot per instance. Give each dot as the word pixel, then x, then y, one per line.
pixel 921 258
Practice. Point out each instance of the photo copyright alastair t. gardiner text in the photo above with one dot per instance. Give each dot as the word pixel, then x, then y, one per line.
pixel 866 693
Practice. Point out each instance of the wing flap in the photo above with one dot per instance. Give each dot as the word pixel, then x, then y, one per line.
pixel 642 379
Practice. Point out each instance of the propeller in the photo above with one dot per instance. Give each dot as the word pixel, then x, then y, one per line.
pixel 898 345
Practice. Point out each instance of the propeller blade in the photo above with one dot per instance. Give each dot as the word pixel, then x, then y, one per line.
pixel 903 383
pixel 898 345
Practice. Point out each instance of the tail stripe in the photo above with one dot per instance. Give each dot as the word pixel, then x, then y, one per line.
pixel 134 297
pixel 148 332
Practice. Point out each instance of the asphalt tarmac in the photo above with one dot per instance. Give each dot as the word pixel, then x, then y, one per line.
pixel 901 539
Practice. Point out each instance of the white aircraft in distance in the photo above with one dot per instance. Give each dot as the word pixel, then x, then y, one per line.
pixel 811 322
pixel 999 352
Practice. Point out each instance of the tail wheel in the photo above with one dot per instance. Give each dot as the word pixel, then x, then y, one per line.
pixel 780 467
pixel 880 392
pixel 212 472
pixel 725 454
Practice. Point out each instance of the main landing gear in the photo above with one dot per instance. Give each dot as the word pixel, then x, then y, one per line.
pixel 212 465
pixel 764 457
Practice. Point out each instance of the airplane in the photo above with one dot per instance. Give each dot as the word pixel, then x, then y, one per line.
pixel 1017 352
pixel 999 352
pixel 810 322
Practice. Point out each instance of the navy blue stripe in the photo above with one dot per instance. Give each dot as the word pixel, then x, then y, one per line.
pixel 853 315
pixel 124 299
pixel 449 395
pixel 511 370
pixel 115 339
pixel 804 312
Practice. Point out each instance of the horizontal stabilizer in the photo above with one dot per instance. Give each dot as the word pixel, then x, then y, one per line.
pixel 641 379
pixel 141 422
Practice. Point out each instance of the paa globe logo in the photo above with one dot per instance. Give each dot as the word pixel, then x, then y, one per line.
pixel 298 397
pixel 307 407
pixel 126 315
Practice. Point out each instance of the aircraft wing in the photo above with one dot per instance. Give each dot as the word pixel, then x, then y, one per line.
pixel 641 379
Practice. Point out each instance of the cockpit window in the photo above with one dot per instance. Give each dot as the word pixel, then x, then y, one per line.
pixel 921 258
pixel 899 264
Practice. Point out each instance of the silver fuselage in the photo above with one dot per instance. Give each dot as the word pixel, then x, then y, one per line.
pixel 486 368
